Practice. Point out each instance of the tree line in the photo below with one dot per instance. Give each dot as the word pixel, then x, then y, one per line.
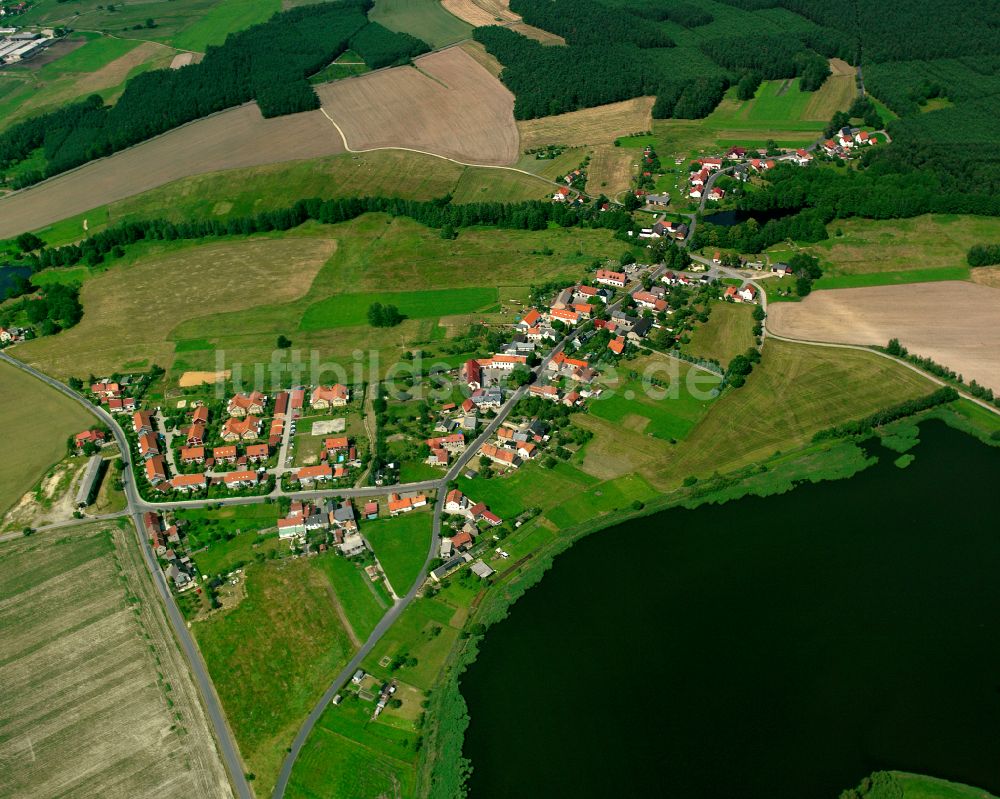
pixel 590 22
pixel 380 47
pixel 909 408
pixel 268 62
pixel 529 215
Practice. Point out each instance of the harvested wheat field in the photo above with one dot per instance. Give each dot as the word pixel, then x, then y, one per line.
pixel 97 699
pixel 129 311
pixel 610 170
pixel 189 379
pixel 955 323
pixel 239 137
pixel 481 12
pixel 447 104
pixel 835 94
pixel 599 125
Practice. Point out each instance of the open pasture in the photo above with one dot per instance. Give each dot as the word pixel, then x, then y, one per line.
pixel 446 104
pixel 94 703
pixel 400 545
pixel 130 310
pixel 727 333
pixel 239 137
pixel 954 323
pixel 794 392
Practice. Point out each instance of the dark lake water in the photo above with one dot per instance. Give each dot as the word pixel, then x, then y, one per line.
pixel 7 275
pixel 735 216
pixel 777 648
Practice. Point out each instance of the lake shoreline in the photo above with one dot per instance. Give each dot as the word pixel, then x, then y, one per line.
pixel 443 767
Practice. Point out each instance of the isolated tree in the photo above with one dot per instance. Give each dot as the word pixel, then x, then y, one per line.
pixel 284 342
pixel 28 242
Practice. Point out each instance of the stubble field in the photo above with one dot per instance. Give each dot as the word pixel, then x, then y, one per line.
pixel 447 104
pixel 955 323
pixel 96 698
pixel 599 125
pixel 239 137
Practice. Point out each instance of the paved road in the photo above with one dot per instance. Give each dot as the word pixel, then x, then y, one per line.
pixel 227 745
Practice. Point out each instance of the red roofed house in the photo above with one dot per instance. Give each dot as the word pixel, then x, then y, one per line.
pixel 462 540
pixel 192 454
pixel 500 456
pixel 617 345
pixel 472 373
pixel 747 293
pixel 335 443
pixel 142 422
pixel 189 482
pixel 156 470
pixel 609 278
pixel 526 451
pixel 227 454
pixel 715 193
pixel 490 517
pixel 200 415
pixel 236 429
pixel 530 319
pixel 508 361
pixel 335 396
pixel 240 479
pixel 645 299
pixel 195 435
pixel 89 436
pixel 148 445
pixel 545 392
pixel 371 510
pixel 310 474
pixel 244 404
pixel 257 452
pixel 564 316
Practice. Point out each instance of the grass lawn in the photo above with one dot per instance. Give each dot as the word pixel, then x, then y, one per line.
pixel 351 310
pixel 607 497
pixel 892 278
pixel 221 557
pixel 423 632
pixel 425 19
pixel 363 606
pixel 531 486
pixel 666 413
pixel 917 786
pixel 794 392
pixel 932 243
pixel 400 545
pixel 34 426
pixel 727 333
pixel 272 656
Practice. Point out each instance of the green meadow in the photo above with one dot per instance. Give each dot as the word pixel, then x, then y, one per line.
pixel 400 545
pixel 351 310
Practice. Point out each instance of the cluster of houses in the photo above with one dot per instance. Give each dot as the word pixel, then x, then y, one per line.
pixel 843 143
pixel 699 180
pixel 515 443
pixel 455 548
pixel 12 335
pixel 443 447
pixel 664 229
pixel 113 396
pixel 338 519
pixel 180 569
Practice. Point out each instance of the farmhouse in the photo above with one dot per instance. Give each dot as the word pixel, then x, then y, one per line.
pixel 243 404
pixel 715 193
pixel 95 437
pixel 325 397
pixel 398 504
pixel 617 345
pixel 292 527
pixel 121 405
pixel 508 362
pixel 500 456
pixel 545 392
pixel 646 299
pixel 565 316
pixel 609 278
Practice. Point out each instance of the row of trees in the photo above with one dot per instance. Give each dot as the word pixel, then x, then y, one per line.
pixel 268 63
pixel 531 215
pixel 861 426
pixel 752 237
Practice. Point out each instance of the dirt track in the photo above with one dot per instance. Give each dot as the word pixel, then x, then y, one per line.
pixel 447 104
pixel 239 137
pixel 955 323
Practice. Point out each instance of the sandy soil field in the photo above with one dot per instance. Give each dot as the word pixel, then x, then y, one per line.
pixel 481 12
pixel 97 700
pixel 189 379
pixel 955 323
pixel 448 105
pixel 599 125
pixel 239 137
